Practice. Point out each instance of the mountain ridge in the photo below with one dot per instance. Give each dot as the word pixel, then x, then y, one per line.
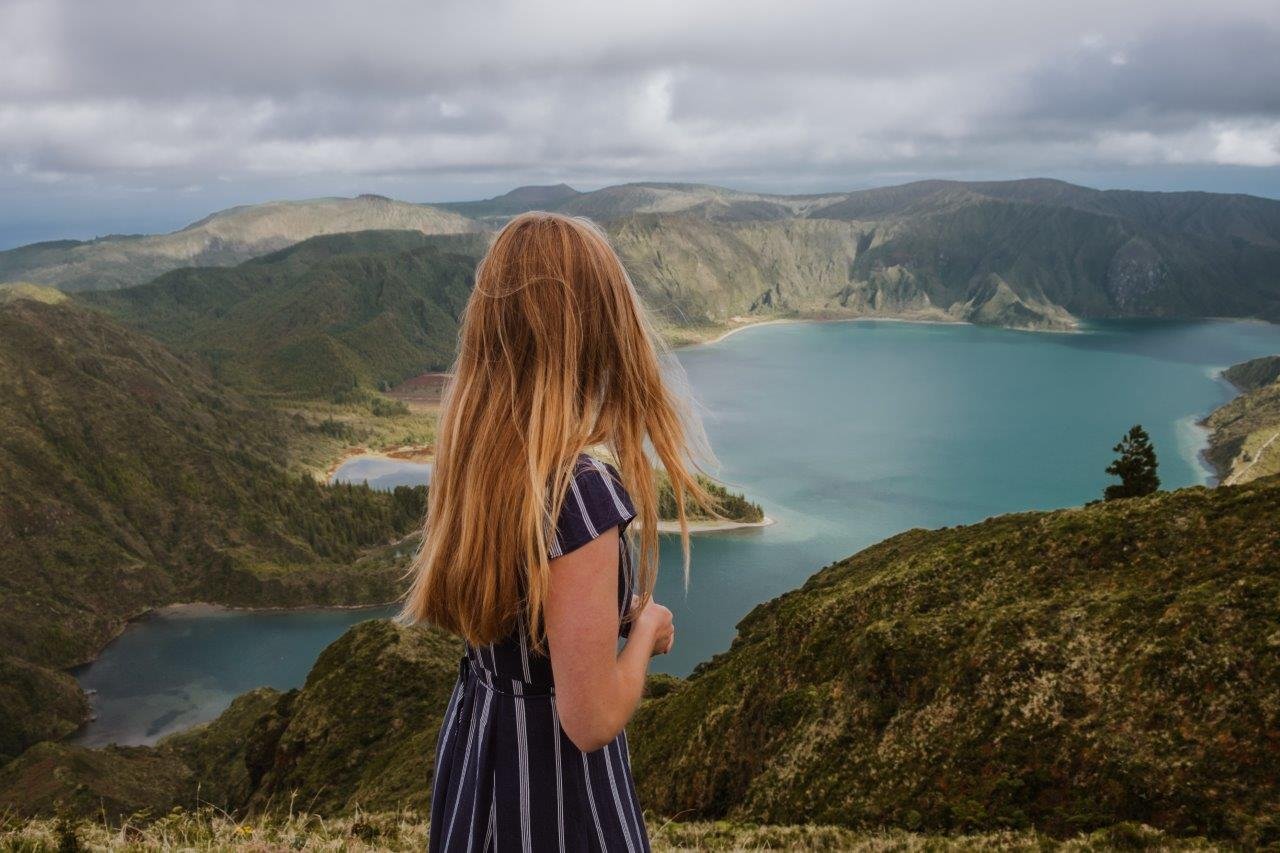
pixel 223 237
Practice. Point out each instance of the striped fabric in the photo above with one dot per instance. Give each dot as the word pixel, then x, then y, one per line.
pixel 507 777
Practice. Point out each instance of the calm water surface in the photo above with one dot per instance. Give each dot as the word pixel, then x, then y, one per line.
pixel 381 473
pixel 845 432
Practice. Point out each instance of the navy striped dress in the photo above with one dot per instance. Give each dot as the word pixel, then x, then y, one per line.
pixel 507 776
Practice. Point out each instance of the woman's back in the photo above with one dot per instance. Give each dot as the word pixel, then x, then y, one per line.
pixel 507 776
pixel 525 553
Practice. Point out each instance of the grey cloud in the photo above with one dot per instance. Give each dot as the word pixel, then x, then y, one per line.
pixel 324 94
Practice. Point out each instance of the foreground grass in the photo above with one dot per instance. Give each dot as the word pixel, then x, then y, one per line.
pixel 208 830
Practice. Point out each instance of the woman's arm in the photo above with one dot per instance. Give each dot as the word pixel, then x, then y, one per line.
pixel 597 688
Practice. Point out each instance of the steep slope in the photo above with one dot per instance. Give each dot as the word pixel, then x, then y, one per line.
pixel 1030 253
pixel 221 239
pixel 129 479
pixel 697 272
pixel 1027 254
pixel 327 315
pixel 1060 670
pixel 1244 439
pixel 360 734
pixel 1253 374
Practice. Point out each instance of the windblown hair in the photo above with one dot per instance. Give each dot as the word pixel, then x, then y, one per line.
pixel 556 356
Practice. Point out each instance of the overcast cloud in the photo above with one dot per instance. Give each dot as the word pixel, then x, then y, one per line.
pixel 139 115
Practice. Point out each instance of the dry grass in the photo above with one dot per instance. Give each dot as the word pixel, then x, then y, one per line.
pixel 210 830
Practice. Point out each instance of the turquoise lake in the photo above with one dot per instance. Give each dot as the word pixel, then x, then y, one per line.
pixel 846 433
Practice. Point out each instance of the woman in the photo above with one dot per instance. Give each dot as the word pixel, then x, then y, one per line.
pixel 525 553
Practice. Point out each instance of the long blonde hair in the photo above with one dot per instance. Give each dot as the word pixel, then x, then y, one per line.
pixel 555 356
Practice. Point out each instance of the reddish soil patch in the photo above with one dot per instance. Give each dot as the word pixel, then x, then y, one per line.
pixel 424 389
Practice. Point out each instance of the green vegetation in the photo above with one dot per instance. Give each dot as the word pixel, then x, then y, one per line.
pixel 220 239
pixel 1086 671
pixel 360 734
pixel 1065 671
pixel 1135 466
pixel 1027 254
pixel 1244 440
pixel 36 703
pixel 324 319
pixel 1253 374
pixel 129 478
pixel 206 830
pixel 732 506
pixel 23 290
pixel 497 210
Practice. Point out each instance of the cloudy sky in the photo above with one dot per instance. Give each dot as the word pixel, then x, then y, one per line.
pixel 135 115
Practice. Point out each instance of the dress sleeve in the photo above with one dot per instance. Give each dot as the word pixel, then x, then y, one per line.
pixel 596 501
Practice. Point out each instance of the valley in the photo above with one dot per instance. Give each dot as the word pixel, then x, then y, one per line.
pixel 192 417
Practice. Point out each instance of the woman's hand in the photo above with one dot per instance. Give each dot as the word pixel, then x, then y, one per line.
pixel 657 620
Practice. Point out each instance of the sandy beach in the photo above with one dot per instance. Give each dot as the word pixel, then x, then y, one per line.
pixel 713 525
pixel 930 321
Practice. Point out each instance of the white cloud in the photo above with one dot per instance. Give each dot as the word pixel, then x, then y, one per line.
pixel 151 93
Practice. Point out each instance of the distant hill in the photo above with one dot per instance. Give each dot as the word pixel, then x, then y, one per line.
pixel 1035 253
pixel 519 200
pixel 129 478
pixel 1244 438
pixel 324 316
pixel 1031 253
pixel 1062 670
pixel 24 290
pixel 221 239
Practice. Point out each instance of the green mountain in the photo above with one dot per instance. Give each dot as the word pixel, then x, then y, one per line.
pixel 369 309
pixel 221 239
pixel 1244 438
pixel 519 200
pixel 1030 253
pixel 1061 671
pixel 129 478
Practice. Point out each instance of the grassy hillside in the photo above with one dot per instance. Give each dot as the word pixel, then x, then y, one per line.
pixel 208 830
pixel 1253 374
pixel 130 478
pixel 321 318
pixel 1030 253
pixel 221 239
pixel 1061 670
pixel 1244 440
pixel 500 208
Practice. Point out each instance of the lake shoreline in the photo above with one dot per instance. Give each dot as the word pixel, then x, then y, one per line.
pixel 872 318
pixel 713 525
pixel 421 454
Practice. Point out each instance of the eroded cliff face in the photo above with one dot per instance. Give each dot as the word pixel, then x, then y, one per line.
pixel 694 271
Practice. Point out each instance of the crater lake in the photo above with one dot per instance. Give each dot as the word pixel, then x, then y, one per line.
pixel 845 432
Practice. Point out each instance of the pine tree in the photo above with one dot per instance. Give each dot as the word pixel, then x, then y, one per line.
pixel 1135 466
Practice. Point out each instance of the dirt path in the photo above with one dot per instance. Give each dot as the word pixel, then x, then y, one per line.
pixel 1236 475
